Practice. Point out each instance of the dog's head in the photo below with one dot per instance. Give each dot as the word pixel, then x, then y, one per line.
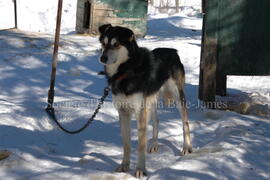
pixel 118 43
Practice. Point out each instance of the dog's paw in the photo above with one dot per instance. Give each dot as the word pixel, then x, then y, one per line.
pixel 153 147
pixel 187 150
pixel 140 173
pixel 122 168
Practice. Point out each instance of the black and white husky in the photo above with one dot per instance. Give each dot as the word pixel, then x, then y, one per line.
pixel 138 78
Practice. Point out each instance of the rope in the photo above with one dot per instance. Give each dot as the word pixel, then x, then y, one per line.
pixel 51 112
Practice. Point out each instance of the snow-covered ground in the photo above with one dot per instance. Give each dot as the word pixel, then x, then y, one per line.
pixel 227 145
pixel 38 16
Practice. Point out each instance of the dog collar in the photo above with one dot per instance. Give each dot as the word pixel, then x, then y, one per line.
pixel 123 76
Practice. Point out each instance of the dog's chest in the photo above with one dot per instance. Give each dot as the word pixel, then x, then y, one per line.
pixel 132 102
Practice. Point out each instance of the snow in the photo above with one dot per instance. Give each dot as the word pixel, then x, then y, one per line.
pixel 38 16
pixel 187 7
pixel 8 20
pixel 227 145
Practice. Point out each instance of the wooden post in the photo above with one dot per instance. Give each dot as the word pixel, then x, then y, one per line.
pixel 55 55
pixel 203 6
pixel 201 58
pixel 208 70
pixel 177 6
pixel 221 83
pixel 15 13
pixel 208 64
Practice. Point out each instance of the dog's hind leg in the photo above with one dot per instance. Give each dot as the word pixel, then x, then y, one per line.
pixel 142 119
pixel 125 117
pixel 180 81
pixel 187 148
pixel 155 122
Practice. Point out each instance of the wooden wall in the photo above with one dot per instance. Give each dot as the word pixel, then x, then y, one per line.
pixel 131 14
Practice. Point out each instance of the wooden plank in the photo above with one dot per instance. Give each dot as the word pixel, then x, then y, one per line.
pixel 104 13
pixel 103 6
pixel 99 20
pixel 115 19
pixel 104 20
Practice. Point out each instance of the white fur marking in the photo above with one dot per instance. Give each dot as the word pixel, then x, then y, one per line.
pixel 115 58
pixel 170 86
pixel 105 40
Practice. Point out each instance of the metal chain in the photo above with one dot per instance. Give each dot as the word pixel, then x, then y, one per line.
pixel 51 112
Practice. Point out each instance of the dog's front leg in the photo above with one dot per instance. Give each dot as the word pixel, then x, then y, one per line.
pixel 124 117
pixel 142 142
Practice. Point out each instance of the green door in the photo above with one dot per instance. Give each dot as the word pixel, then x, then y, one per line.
pixel 242 30
pixel 235 41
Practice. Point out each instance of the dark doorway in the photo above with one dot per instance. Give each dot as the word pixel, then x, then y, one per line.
pixel 87 14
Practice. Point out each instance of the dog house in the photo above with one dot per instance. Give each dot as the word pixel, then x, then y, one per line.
pixel 235 42
pixel 93 13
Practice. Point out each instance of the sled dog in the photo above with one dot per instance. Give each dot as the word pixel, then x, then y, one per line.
pixel 138 78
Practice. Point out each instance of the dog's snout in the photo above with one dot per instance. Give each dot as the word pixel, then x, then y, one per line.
pixel 104 58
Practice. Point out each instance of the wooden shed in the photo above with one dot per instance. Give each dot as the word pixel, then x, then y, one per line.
pixel 93 13
pixel 235 42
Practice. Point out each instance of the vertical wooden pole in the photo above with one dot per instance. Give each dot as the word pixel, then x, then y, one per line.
pixel 55 55
pixel 177 6
pixel 201 87
pixel 221 83
pixel 15 13
pixel 208 70
pixel 203 6
pixel 208 64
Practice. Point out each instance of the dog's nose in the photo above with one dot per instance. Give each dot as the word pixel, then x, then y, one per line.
pixel 103 58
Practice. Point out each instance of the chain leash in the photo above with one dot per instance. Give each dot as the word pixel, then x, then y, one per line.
pixel 51 112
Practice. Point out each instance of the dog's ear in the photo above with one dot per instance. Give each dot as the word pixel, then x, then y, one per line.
pixel 131 38
pixel 103 28
pixel 129 34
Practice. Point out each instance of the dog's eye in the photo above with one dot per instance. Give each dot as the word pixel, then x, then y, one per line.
pixel 116 44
